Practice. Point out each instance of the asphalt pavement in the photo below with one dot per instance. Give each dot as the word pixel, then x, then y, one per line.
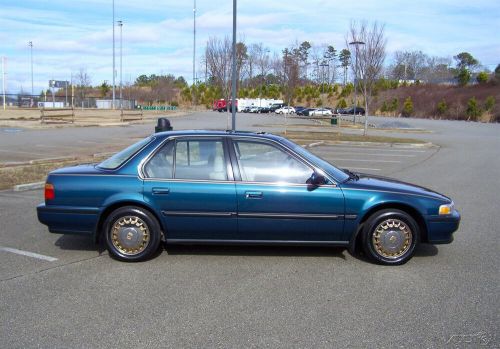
pixel 63 291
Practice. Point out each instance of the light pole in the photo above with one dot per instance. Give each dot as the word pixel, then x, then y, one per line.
pixel 113 55
pixel 120 24
pixel 233 92
pixel 30 44
pixel 194 41
pixel 323 65
pixel 3 81
pixel 356 43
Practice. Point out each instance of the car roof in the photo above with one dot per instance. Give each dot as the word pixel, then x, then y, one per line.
pixel 217 133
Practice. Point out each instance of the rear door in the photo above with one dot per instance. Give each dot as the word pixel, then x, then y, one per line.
pixel 189 180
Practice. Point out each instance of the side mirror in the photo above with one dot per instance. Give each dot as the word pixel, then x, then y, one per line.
pixel 316 179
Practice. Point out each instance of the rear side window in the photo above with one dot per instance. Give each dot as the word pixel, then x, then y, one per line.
pixel 121 157
pixel 188 159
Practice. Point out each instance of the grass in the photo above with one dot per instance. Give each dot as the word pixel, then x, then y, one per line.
pixel 300 137
pixel 10 176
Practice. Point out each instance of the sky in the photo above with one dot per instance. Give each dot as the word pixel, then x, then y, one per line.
pixel 158 35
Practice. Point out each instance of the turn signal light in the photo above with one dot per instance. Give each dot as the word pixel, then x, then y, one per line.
pixel 49 192
pixel 445 209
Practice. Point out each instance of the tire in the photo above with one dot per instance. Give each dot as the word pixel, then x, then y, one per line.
pixel 132 234
pixel 390 237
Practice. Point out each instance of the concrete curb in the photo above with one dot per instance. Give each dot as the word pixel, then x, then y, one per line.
pixel 382 144
pixel 29 186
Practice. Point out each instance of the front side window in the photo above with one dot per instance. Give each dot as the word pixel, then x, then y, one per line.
pixel 161 164
pixel 262 162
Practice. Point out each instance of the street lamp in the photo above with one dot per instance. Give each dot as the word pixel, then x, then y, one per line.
pixel 114 71
pixel 120 24
pixel 233 89
pixel 323 65
pixel 356 43
pixel 194 41
pixel 30 44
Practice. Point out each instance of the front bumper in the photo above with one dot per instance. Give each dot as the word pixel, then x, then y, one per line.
pixel 68 219
pixel 440 229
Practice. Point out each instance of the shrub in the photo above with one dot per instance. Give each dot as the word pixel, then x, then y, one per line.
pixel 473 111
pixel 442 107
pixel 342 103
pixel 394 105
pixel 463 77
pixel 384 107
pixel 482 77
pixel 174 104
pixel 407 107
pixel 347 90
pixel 489 103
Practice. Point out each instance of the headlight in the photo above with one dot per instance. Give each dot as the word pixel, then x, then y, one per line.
pixel 446 209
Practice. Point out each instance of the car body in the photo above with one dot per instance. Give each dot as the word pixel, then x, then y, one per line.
pixel 320 112
pixel 353 111
pixel 306 111
pixel 216 187
pixel 285 110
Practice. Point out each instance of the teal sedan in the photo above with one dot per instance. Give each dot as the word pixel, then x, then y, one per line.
pixel 211 187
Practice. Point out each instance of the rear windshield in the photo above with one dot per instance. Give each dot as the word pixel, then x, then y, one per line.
pixel 119 158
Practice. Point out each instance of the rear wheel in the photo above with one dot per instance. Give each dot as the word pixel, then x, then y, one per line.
pixel 132 234
pixel 390 237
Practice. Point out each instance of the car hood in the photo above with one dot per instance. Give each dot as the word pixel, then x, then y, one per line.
pixel 78 169
pixel 380 183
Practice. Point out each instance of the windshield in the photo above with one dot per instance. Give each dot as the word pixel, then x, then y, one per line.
pixel 336 173
pixel 119 158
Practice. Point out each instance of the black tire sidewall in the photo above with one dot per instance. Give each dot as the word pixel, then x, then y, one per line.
pixel 151 222
pixel 374 220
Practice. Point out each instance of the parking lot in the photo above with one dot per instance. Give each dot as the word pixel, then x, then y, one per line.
pixel 63 291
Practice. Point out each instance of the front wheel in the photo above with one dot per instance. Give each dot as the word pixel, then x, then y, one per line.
pixel 132 234
pixel 390 237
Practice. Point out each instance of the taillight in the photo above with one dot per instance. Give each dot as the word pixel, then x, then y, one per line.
pixel 49 192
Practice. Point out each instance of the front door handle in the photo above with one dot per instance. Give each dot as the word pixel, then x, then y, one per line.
pixel 253 194
pixel 161 191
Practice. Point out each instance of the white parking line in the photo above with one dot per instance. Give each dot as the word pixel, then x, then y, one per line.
pixel 394 161
pixel 378 154
pixel 380 149
pixel 28 254
pixel 364 168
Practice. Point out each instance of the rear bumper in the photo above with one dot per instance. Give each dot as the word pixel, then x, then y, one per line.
pixel 68 219
pixel 440 229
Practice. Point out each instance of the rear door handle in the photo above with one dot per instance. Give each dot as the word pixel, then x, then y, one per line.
pixel 253 194
pixel 161 191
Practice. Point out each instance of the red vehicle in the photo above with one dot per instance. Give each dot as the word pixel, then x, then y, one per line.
pixel 221 105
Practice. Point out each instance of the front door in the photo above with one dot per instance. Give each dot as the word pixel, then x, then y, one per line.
pixel 189 182
pixel 274 200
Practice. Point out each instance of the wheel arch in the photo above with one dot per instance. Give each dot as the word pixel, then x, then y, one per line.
pixel 355 242
pixel 116 205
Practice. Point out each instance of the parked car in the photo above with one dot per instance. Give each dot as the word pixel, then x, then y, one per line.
pixel 306 111
pixel 285 110
pixel 320 112
pixel 276 106
pixel 264 110
pixel 216 187
pixel 253 109
pixel 298 108
pixel 246 109
pixel 353 111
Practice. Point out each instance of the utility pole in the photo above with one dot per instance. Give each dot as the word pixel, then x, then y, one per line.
pixel 120 24
pixel 30 44
pixel 194 42
pixel 114 71
pixel 323 65
pixel 233 87
pixel 3 81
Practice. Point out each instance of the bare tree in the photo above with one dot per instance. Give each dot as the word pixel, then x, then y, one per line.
pixel 370 58
pixel 83 83
pixel 218 59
